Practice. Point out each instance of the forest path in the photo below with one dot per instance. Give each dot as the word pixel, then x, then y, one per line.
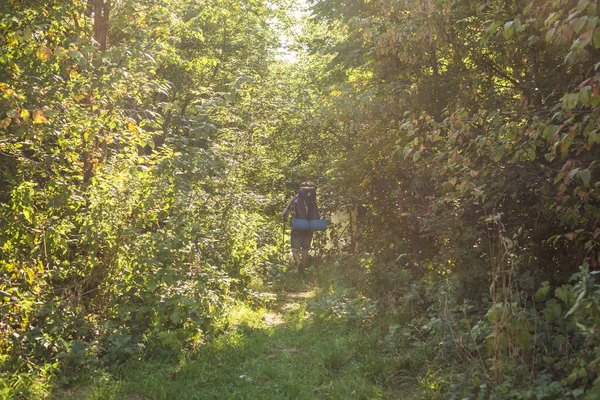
pixel 286 302
pixel 288 350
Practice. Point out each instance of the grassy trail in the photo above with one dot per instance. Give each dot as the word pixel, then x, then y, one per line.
pixel 288 350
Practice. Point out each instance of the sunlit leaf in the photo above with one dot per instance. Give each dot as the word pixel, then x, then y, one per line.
pixel 39 117
pixel 43 53
pixel 28 213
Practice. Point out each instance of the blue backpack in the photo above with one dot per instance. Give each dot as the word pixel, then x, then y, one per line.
pixel 307 212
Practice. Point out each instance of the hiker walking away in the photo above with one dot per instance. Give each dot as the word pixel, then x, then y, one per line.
pixel 304 207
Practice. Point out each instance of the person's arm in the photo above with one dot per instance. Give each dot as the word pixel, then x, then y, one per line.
pixel 289 208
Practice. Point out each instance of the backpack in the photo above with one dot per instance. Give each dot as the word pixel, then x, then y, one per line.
pixel 306 206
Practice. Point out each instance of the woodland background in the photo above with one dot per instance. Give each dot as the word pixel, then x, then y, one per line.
pixel 147 148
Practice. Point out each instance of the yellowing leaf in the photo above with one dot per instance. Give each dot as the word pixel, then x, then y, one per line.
pixel 5 122
pixel 474 173
pixel 453 181
pixel 133 128
pixel 25 114
pixel 30 275
pixel 43 53
pixel 39 117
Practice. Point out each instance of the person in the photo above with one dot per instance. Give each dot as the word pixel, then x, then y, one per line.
pixel 300 240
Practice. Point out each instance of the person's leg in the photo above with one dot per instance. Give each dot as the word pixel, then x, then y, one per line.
pixel 302 261
pixel 296 254
pixel 304 258
pixel 306 241
pixel 296 242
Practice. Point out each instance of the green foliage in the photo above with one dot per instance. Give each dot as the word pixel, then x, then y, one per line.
pixel 128 222
pixel 143 160
pixel 464 135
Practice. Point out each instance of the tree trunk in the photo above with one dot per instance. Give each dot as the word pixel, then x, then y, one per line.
pixel 101 15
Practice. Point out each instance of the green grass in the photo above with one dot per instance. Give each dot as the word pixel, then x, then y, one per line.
pixel 299 359
pixel 294 350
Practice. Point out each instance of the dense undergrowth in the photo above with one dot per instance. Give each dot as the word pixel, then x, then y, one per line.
pixel 307 338
pixel 538 348
pixel 353 340
pixel 348 336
